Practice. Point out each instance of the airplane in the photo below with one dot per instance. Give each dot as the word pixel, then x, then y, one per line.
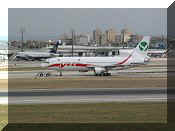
pixel 31 56
pixel 100 65
pixel 157 52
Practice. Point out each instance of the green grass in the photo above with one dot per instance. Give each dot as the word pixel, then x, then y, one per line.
pixel 89 113
pixel 3 116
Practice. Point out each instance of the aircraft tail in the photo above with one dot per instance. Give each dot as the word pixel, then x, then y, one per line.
pixel 55 48
pixel 142 47
pixel 139 54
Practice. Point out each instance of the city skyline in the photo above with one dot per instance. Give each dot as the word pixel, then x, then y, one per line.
pixel 45 24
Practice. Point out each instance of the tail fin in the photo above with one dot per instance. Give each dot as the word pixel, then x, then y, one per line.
pixel 139 54
pixel 55 48
pixel 142 47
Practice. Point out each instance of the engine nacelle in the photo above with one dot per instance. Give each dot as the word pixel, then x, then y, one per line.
pixel 99 70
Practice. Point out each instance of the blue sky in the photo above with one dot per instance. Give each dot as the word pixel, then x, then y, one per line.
pixel 3 38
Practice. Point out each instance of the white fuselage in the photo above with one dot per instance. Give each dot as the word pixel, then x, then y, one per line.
pixel 34 54
pixel 85 63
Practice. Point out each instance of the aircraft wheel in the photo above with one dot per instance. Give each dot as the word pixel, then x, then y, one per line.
pixel 61 74
pixel 47 75
pixel 109 74
pixel 41 74
pixel 97 74
pixel 104 74
pixel 101 74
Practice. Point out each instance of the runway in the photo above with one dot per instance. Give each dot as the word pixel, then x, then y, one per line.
pixel 85 95
pixel 141 72
pixel 155 68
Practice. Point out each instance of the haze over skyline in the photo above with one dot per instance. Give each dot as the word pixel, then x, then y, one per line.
pixel 45 24
pixel 3 23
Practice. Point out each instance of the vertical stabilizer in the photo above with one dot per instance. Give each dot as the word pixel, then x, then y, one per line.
pixel 139 54
pixel 142 47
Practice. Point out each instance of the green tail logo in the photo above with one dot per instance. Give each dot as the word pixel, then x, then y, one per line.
pixel 143 46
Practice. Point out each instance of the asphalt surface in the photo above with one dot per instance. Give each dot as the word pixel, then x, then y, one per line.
pixel 132 72
pixel 88 95
pixel 85 95
pixel 156 67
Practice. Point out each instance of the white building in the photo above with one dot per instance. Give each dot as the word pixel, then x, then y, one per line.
pixel 83 40
pixel 3 53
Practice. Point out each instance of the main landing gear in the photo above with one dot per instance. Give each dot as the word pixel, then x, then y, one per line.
pixel 61 73
pixel 103 74
pixel 43 74
pixel 47 74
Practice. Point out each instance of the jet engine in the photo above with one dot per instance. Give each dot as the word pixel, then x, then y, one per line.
pixel 99 70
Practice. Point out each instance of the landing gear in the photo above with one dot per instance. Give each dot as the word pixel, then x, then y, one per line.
pixel 61 73
pixel 103 74
pixel 47 74
pixel 42 74
pixel 108 74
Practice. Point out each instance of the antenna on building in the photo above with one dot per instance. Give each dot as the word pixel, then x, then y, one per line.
pixel 73 41
pixel 123 35
pixel 22 30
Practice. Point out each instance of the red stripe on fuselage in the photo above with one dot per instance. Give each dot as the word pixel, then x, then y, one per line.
pixel 63 65
pixel 85 65
pixel 124 61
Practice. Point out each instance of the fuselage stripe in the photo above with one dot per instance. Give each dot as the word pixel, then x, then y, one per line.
pixel 124 61
pixel 61 65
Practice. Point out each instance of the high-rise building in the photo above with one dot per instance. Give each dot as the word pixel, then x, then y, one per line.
pixel 111 35
pixel 125 35
pixel 118 39
pixel 97 34
pixel 103 39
